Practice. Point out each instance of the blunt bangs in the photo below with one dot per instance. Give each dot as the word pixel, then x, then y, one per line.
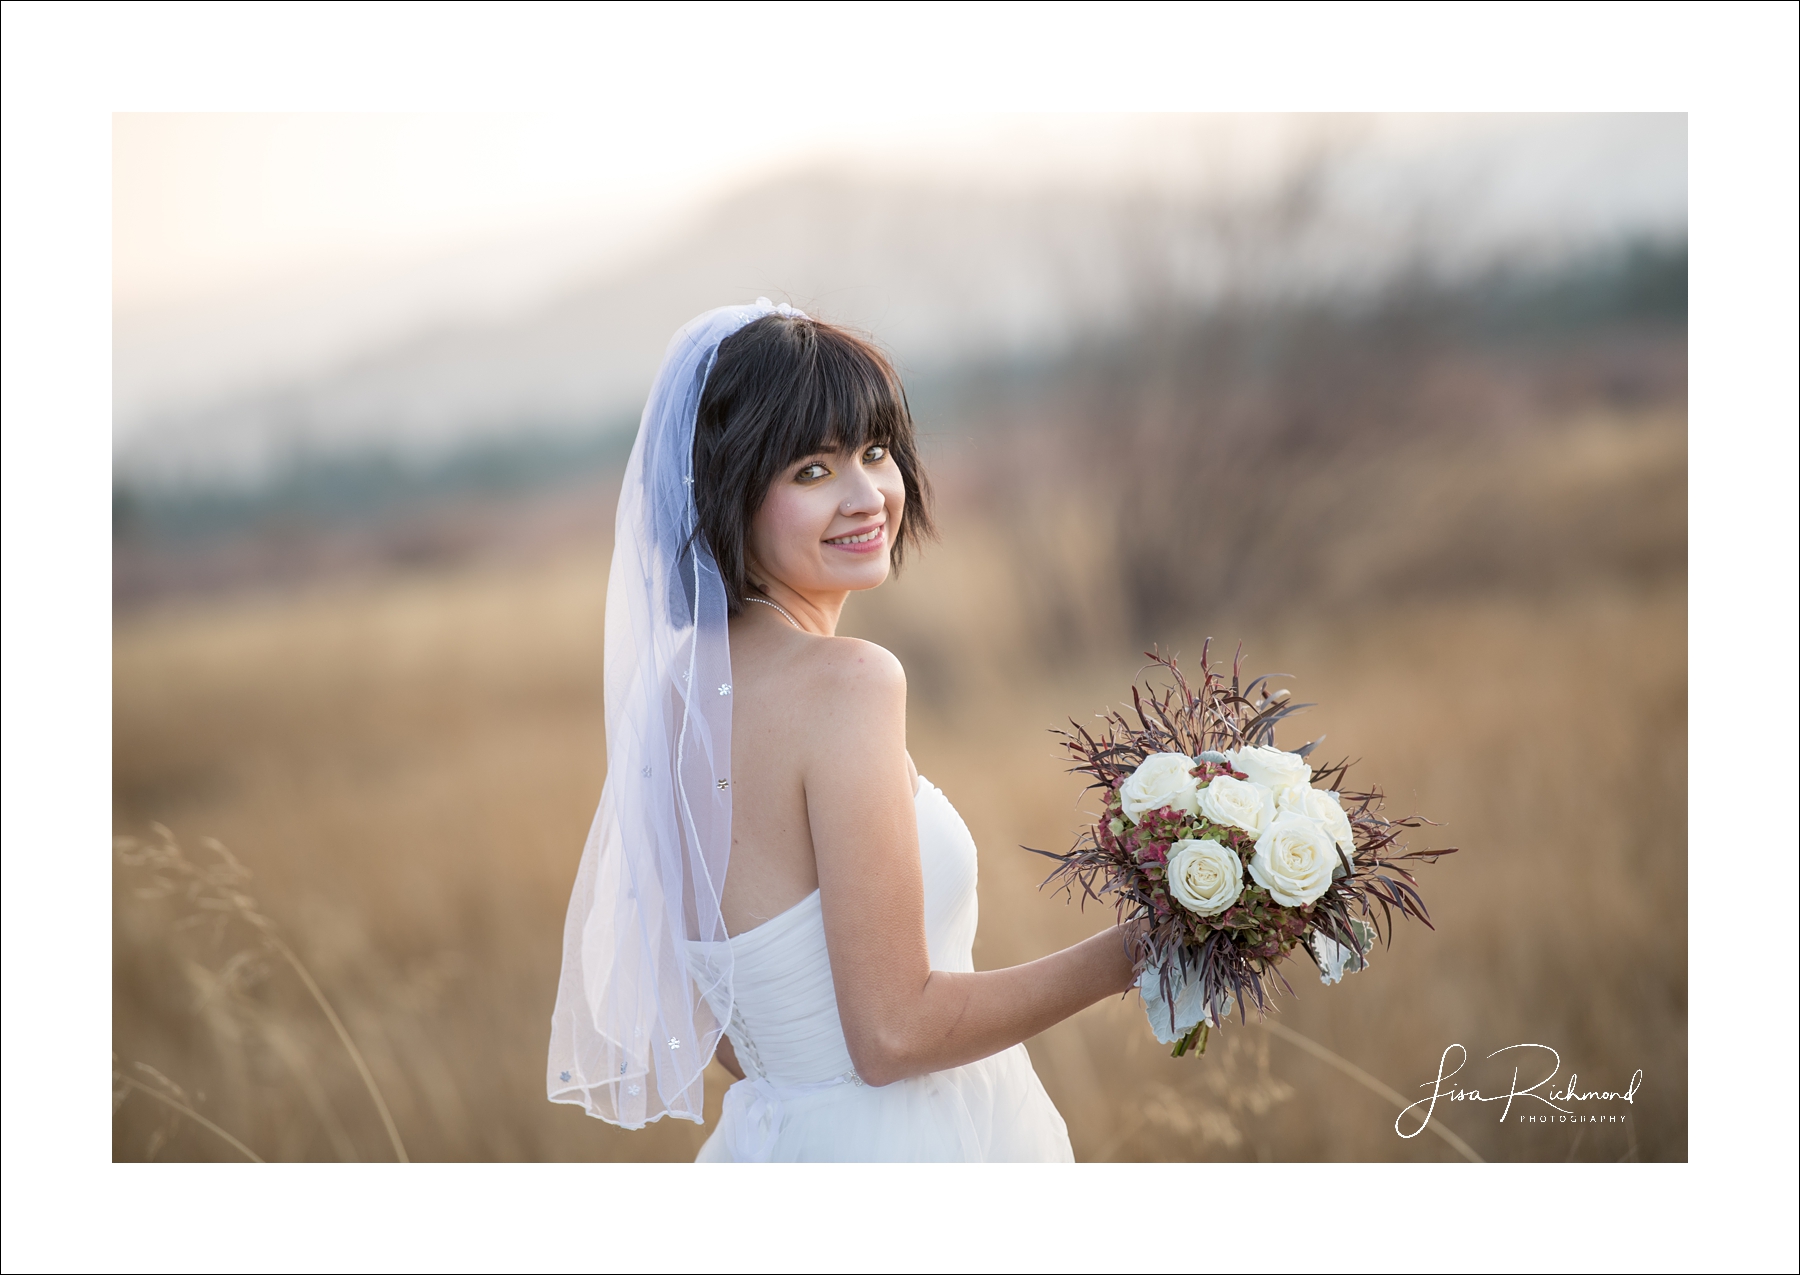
pixel 781 389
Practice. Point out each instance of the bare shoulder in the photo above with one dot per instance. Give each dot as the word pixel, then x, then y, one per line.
pixel 852 663
pixel 850 674
pixel 849 738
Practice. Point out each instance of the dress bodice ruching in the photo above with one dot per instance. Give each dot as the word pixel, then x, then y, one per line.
pixel 801 1098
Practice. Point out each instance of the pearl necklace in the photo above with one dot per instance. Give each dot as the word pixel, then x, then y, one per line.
pixel 790 619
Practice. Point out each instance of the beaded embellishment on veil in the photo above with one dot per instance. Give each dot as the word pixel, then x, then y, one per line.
pixel 633 1028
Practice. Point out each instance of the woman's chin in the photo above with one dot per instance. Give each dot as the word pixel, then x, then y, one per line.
pixel 861 576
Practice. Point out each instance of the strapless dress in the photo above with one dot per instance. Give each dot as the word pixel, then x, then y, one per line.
pixel 801 1098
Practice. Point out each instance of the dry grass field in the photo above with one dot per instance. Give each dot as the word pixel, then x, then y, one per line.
pixel 407 762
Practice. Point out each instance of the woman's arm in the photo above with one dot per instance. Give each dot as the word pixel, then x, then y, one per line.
pixel 902 1018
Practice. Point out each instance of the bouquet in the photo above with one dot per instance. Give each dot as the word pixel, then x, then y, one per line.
pixel 1230 852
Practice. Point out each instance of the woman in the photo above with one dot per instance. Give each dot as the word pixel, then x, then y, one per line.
pixel 774 474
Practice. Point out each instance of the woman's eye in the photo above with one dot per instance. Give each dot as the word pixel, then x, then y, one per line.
pixel 875 455
pixel 811 473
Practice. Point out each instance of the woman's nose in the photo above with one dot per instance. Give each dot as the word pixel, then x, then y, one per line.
pixel 864 497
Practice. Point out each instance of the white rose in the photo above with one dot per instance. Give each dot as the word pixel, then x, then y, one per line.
pixel 1293 859
pixel 1237 803
pixel 1204 876
pixel 1316 803
pixel 1164 779
pixel 1272 768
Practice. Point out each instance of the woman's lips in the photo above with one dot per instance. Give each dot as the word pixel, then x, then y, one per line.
pixel 869 540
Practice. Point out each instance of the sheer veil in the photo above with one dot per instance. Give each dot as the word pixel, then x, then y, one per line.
pixel 633 1030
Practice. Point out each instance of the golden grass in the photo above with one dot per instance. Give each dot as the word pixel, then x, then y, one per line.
pixel 408 766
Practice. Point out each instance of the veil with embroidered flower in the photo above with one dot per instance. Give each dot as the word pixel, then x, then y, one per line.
pixel 839 984
pixel 632 1031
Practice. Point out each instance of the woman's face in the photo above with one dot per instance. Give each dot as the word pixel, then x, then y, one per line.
pixel 828 523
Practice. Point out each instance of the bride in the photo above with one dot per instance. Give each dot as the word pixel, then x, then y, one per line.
pixel 829 969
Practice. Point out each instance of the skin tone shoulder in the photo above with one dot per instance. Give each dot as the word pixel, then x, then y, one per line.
pixel 824 788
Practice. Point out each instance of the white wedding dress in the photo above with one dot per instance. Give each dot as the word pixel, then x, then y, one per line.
pixel 802 1099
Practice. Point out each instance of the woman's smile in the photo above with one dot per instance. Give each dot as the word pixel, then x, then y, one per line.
pixel 869 540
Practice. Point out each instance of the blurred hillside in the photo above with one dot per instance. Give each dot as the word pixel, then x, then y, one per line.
pixel 978 244
pixel 1188 394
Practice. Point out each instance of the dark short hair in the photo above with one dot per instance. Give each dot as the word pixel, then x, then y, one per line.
pixel 781 389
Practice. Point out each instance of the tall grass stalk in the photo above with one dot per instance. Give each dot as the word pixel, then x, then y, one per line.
pixel 343 1034
pixel 1364 1079
pixel 219 890
pixel 191 1114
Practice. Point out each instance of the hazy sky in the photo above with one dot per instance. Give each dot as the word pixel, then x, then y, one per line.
pixel 208 205
pixel 254 250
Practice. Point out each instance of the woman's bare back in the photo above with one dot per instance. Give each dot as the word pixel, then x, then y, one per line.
pixel 783 709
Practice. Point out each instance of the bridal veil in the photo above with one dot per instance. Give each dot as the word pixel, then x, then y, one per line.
pixel 633 1030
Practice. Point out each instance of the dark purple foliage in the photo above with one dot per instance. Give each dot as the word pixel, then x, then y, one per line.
pixel 1235 954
